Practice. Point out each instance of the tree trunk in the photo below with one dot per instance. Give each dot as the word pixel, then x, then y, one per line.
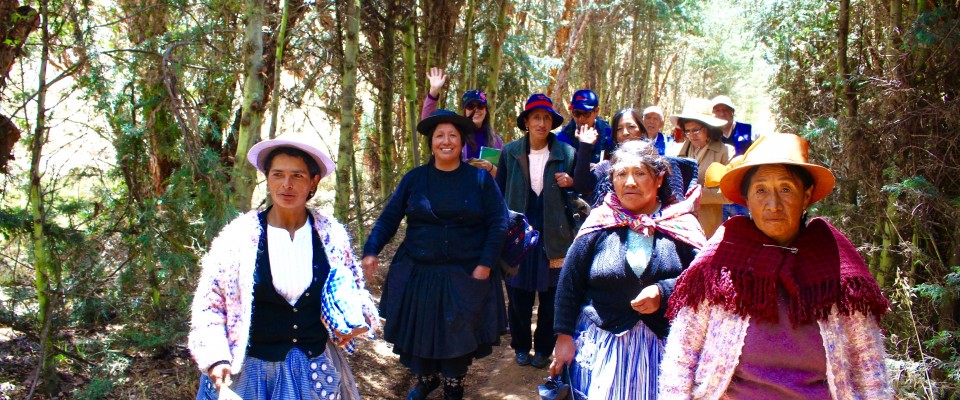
pixel 16 23
pixel 278 61
pixel 388 172
pixel 244 176
pixel 496 61
pixel 46 269
pixel 847 92
pixel 411 113
pixel 468 49
pixel 348 101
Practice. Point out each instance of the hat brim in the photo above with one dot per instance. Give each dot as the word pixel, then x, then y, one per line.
pixel 823 180
pixel 706 120
pixel 259 152
pixel 557 118
pixel 463 124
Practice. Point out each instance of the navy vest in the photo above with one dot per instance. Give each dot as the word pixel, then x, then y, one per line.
pixel 277 327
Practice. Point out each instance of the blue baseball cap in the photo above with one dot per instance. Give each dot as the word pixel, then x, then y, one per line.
pixel 584 99
pixel 471 96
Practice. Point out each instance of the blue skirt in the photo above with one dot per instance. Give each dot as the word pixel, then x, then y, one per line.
pixel 326 377
pixel 612 366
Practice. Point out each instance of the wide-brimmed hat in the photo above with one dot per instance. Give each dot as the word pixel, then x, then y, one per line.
pixel 471 96
pixel 584 100
pixel 769 149
pixel 725 100
pixel 700 110
pixel 257 154
pixel 542 102
pixel 463 124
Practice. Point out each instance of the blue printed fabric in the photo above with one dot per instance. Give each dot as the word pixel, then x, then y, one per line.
pixel 616 366
pixel 295 378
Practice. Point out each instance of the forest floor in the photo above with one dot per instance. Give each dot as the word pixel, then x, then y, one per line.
pixel 174 375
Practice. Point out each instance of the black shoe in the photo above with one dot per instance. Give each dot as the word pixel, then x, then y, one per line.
pixel 453 388
pixel 523 358
pixel 422 389
pixel 540 361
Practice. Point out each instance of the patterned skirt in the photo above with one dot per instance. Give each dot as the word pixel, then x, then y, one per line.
pixel 616 366
pixel 325 377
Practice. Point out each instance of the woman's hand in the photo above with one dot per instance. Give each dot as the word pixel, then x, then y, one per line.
pixel 563 354
pixel 648 301
pixel 437 78
pixel 342 339
pixel 587 134
pixel 481 163
pixel 370 266
pixel 481 272
pixel 564 180
pixel 221 375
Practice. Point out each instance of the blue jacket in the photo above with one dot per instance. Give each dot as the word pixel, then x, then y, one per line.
pixel 741 138
pixel 604 142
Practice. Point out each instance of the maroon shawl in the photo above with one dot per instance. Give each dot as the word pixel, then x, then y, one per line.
pixel 740 269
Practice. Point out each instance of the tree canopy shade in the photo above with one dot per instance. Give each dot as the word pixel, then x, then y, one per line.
pixel 129 123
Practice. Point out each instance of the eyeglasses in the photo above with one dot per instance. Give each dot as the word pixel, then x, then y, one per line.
pixel 475 106
pixel 631 128
pixel 691 132
pixel 580 113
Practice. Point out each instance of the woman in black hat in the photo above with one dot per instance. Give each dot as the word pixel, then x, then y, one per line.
pixel 474 106
pixel 533 174
pixel 442 301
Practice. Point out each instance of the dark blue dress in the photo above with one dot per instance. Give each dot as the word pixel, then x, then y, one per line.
pixel 437 316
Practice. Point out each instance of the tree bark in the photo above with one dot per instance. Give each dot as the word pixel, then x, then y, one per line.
pixel 411 114
pixel 348 101
pixel 496 60
pixel 47 271
pixel 387 144
pixel 244 176
pixel 278 61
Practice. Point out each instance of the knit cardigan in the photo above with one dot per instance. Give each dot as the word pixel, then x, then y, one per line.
pixel 223 304
pixel 693 370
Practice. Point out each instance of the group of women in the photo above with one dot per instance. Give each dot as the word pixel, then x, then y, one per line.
pixel 775 305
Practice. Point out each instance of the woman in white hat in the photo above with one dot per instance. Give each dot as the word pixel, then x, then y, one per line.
pixel 775 307
pixel 704 145
pixel 279 295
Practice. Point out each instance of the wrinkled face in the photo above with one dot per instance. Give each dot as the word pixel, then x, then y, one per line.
pixel 696 133
pixel 776 200
pixel 587 118
pixel 723 112
pixel 477 111
pixel 628 128
pixel 636 187
pixel 653 122
pixel 446 143
pixel 538 124
pixel 289 182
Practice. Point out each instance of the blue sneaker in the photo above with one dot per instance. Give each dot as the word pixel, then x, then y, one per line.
pixel 523 358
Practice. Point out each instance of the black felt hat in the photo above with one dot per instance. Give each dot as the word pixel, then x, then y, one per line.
pixel 464 125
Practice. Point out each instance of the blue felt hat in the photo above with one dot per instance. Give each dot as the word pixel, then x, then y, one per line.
pixel 542 102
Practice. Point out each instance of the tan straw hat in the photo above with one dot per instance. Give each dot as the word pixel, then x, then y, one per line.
pixel 259 152
pixel 770 149
pixel 698 110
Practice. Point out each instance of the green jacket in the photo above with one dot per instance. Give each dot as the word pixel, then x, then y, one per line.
pixel 513 176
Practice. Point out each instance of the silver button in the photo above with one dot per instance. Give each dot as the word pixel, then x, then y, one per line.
pixel 294 327
pixel 294 340
pixel 306 293
pixel 294 309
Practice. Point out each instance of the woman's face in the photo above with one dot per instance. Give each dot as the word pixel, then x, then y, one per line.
pixel 628 128
pixel 289 182
pixel 776 200
pixel 446 143
pixel 538 124
pixel 477 111
pixel 696 133
pixel 636 187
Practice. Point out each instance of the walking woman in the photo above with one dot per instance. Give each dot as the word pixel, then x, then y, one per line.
pixel 279 294
pixel 442 299
pixel 618 276
pixel 474 106
pixel 533 171
pixel 704 145
pixel 776 307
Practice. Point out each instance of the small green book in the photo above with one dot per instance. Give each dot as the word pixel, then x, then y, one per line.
pixel 490 154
